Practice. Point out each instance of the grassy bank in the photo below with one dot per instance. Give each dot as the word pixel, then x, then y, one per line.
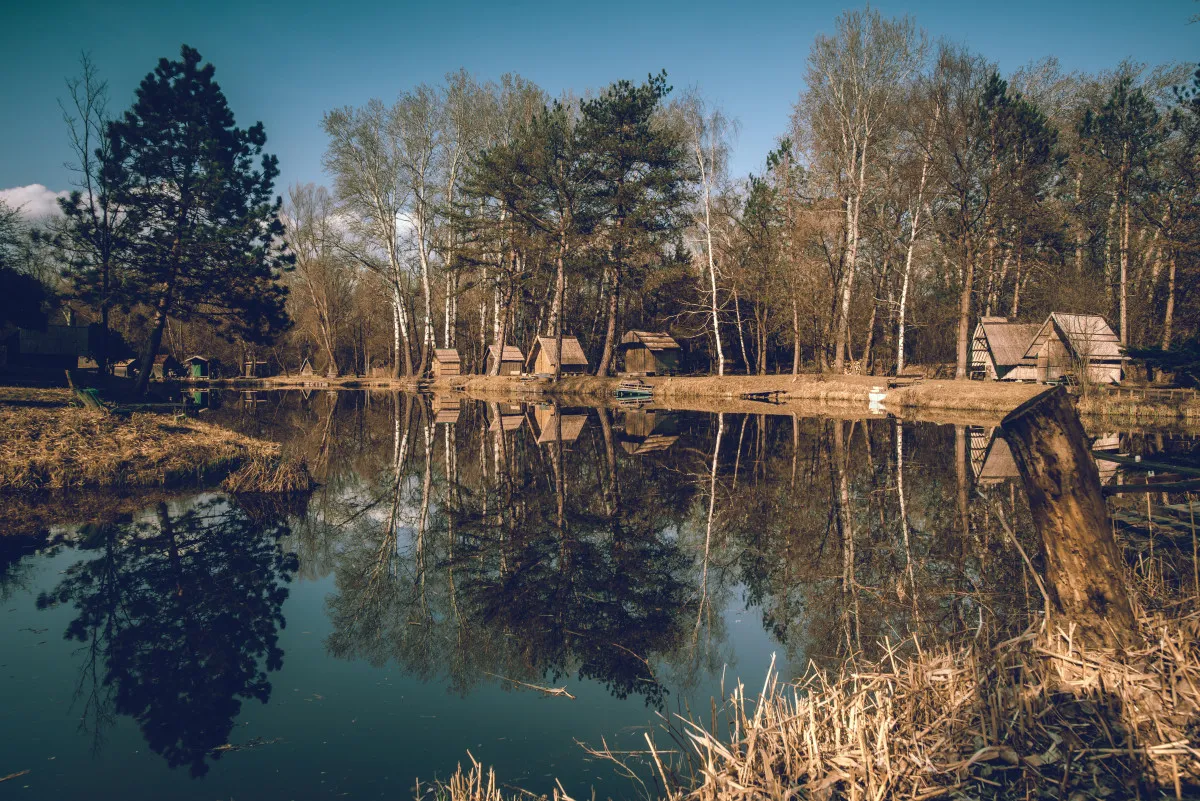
pixel 45 443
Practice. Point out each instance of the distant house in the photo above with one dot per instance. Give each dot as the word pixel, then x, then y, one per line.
pixel 512 360
pixel 1078 345
pixel 58 346
pixel 126 368
pixel 165 366
pixel 544 356
pixel 549 422
pixel 306 368
pixel 197 366
pixel 446 363
pixel 998 350
pixel 649 353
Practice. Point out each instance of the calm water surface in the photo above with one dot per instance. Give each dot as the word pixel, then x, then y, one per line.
pixel 456 557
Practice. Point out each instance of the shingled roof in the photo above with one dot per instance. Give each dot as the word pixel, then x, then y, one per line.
pixel 650 339
pixel 1087 335
pixel 572 350
pixel 511 353
pixel 446 355
pixel 1007 341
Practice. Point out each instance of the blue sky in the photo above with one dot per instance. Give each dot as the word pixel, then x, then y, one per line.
pixel 287 63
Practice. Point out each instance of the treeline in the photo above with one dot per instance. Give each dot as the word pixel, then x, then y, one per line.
pixel 915 190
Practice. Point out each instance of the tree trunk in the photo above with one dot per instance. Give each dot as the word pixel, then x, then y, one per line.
pixel 610 329
pixel 1083 561
pixel 964 308
pixel 156 335
pixel 795 337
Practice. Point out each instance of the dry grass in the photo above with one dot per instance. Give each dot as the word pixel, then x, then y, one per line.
pixel 1035 716
pixel 66 448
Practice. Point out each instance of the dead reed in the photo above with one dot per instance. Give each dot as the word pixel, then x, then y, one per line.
pixel 66 448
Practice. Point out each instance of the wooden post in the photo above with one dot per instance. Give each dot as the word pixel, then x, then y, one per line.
pixel 1083 561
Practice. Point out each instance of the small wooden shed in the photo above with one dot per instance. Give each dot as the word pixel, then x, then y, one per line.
pixel 647 431
pixel 547 421
pixel 306 368
pixel 544 356
pixel 1078 345
pixel 650 353
pixel 197 366
pixel 512 360
pixel 165 366
pixel 998 350
pixel 125 368
pixel 509 418
pixel 445 362
pixel 446 408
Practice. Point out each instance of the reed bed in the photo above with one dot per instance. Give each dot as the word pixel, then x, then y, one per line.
pixel 66 448
pixel 1039 715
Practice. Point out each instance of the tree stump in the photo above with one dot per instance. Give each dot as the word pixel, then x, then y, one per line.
pixel 1083 561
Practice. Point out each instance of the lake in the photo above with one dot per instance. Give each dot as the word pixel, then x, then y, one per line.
pixel 511 581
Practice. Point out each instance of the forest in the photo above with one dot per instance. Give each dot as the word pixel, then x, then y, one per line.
pixel 915 189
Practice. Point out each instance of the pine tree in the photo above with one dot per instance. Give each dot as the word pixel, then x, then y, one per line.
pixel 205 235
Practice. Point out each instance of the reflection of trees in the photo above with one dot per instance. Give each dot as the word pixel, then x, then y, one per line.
pixel 179 622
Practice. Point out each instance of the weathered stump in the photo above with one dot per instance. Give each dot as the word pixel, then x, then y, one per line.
pixel 1083 561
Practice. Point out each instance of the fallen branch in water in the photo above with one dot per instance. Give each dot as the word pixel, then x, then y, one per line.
pixel 16 775
pixel 553 691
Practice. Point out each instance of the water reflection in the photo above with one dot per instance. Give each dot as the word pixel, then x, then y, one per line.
pixel 178 617
pixel 499 545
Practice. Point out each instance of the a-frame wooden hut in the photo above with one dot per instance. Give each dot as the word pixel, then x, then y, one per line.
pixel 998 350
pixel 446 363
pixel 512 360
pixel 547 420
pixel 197 366
pixel 1078 345
pixel 991 459
pixel 306 368
pixel 650 353
pixel 544 356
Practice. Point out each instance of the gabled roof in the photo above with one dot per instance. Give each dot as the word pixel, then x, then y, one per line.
pixel 446 355
pixel 511 353
pixel 650 339
pixel 190 359
pixel 572 350
pixel 548 424
pixel 1007 341
pixel 1087 336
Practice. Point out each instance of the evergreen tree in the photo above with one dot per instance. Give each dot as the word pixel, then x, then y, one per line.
pixel 205 236
pixel 642 176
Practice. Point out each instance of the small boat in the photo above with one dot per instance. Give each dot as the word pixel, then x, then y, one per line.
pixel 633 389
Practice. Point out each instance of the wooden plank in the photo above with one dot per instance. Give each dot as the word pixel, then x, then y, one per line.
pixel 1146 464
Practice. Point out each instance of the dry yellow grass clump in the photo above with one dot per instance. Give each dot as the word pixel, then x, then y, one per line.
pixel 66 448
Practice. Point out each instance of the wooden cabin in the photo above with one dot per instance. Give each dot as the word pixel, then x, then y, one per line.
pixel 649 353
pixel 306 369
pixel 544 356
pixel 445 363
pixel 998 350
pixel 197 366
pixel 164 367
pixel 1082 346
pixel 509 418
pixel 648 431
pixel 446 408
pixel 512 360
pixel 126 368
pixel 547 422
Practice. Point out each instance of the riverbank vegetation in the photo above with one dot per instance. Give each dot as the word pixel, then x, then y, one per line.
pixel 479 212
pixel 48 444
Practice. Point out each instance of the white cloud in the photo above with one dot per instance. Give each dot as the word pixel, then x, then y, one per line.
pixel 35 201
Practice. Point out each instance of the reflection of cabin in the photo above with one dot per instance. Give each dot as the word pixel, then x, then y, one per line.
pixel 254 368
pixel 991 459
pixel 544 356
pixel 648 353
pixel 306 368
pixel 1076 345
pixel 998 350
pixel 511 361
pixel 445 362
pixel 548 421
pixel 165 366
pixel 197 366
pixel 507 421
pixel 649 431
pixel 58 346
pixel 446 409
pixel 126 368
